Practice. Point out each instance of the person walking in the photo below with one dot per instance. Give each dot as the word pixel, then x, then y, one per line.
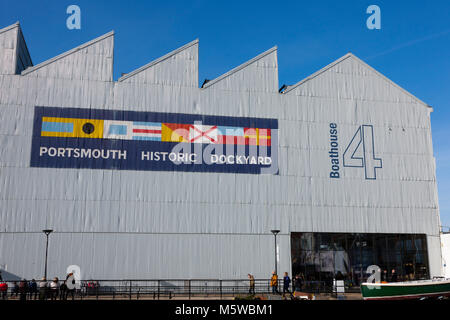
pixel 4 290
pixel 32 288
pixel 286 283
pixel 63 291
pixel 251 289
pixel 274 282
pixel 393 276
pixel 15 289
pixel 297 283
pixel 54 288
pixel 70 286
pixel 43 289
pixel 384 276
pixel 23 289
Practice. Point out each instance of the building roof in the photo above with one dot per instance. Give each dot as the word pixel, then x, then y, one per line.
pixel 240 67
pixel 65 54
pixel 269 78
pixel 23 55
pixel 156 61
pixel 14 25
pixel 351 56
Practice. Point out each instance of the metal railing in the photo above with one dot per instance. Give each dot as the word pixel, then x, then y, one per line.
pixel 155 289
pixel 445 229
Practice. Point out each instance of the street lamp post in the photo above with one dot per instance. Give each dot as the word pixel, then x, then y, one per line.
pixel 47 233
pixel 275 232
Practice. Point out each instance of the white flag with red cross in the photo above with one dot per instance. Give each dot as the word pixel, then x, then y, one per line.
pixel 203 134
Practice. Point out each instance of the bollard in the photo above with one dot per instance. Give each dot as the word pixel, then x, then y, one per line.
pixel 189 290
pixel 159 288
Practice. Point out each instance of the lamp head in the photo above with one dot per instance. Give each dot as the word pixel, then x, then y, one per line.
pixel 47 231
pixel 275 232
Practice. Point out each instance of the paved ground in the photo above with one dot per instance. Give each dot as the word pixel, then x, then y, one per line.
pixel 346 296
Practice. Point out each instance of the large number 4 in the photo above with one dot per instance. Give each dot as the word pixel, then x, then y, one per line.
pixel 360 152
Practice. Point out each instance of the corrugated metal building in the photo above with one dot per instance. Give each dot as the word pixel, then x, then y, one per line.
pixel 116 222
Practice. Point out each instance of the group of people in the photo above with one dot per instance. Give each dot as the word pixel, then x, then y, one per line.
pixel 33 289
pixel 296 283
pixel 391 278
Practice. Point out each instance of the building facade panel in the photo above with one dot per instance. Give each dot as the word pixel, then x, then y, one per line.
pixel 353 154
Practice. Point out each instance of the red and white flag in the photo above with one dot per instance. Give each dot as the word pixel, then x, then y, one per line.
pixel 203 134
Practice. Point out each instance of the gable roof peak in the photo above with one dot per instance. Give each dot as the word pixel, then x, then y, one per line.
pixel 350 55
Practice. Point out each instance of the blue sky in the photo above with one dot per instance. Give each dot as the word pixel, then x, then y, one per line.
pixel 412 48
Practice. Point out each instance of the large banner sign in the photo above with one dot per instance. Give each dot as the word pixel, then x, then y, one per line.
pixel 127 140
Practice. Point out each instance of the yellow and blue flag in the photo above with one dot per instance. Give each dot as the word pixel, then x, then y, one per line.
pixel 71 127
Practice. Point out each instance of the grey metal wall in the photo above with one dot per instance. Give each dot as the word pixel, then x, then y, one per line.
pixel 143 224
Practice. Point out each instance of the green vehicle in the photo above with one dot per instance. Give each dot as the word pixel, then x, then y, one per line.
pixel 406 290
